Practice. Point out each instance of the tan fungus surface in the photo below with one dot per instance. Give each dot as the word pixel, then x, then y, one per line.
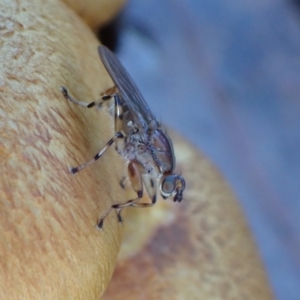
pixel 49 246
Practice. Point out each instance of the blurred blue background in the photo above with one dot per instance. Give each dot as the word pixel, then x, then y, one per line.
pixel 226 75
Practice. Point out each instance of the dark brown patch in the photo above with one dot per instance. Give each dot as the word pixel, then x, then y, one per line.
pixel 106 97
pixel 140 193
pixel 131 170
pixel 92 104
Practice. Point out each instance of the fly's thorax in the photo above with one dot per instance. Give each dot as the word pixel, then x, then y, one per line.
pixel 137 149
pixel 148 145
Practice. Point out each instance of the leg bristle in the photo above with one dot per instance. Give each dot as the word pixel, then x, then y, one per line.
pixel 92 104
pixel 73 171
pixel 106 97
pixel 120 219
pixel 100 224
pixel 64 91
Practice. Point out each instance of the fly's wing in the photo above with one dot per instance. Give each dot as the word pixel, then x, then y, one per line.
pixel 128 90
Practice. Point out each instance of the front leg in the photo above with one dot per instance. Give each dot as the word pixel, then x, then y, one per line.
pixel 107 95
pixel 118 135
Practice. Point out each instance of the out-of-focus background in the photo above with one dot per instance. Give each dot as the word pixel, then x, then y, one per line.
pixel 226 75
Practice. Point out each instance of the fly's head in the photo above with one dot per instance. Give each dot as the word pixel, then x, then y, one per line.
pixel 172 185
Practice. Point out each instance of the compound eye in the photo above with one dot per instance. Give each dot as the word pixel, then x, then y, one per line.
pixel 168 184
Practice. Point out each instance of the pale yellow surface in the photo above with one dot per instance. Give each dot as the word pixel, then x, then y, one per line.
pixel 96 12
pixel 198 249
pixel 49 246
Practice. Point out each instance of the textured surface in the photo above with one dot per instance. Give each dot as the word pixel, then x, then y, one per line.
pixel 226 74
pixel 50 248
pixel 198 249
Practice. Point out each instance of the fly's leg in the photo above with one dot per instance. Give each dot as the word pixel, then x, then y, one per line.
pixel 108 94
pixel 118 135
pixel 137 184
pixel 136 180
pixel 151 187
pixel 104 97
pixel 75 170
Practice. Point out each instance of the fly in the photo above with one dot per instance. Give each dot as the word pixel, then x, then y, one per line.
pixel 138 137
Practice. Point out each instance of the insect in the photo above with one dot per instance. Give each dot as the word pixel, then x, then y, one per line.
pixel 138 137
